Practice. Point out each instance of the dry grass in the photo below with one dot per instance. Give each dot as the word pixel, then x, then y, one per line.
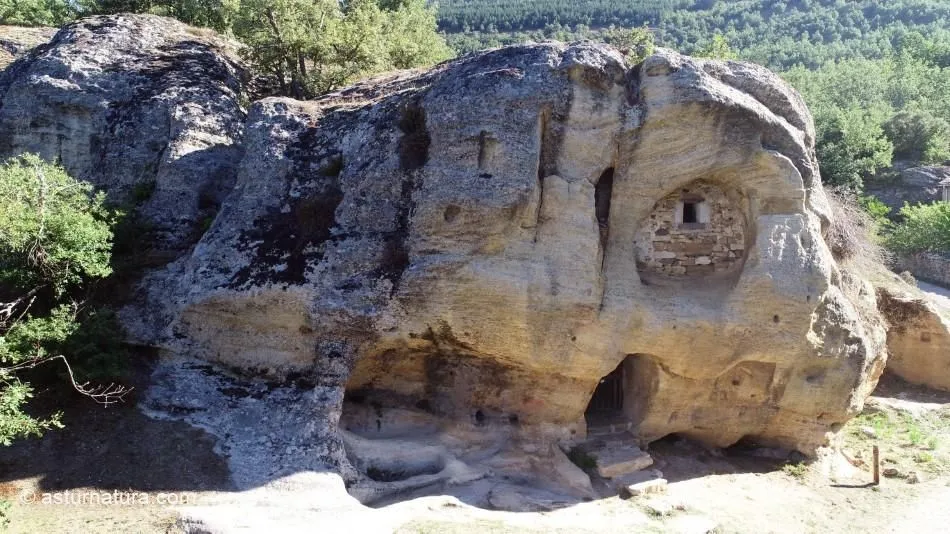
pixel 18 40
pixel 852 236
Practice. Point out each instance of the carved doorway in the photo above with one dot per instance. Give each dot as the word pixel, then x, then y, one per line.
pixel 607 402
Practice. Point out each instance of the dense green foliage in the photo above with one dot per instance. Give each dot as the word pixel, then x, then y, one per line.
pixel 924 228
pixel 55 239
pixel 37 12
pixel 869 112
pixel 312 47
pixel 777 33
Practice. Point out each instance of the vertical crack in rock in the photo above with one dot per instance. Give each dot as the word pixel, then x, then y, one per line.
pixel 633 85
pixel 413 155
pixel 602 194
pixel 395 257
pixel 546 163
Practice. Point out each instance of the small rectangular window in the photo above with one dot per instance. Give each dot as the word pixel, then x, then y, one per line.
pixel 690 213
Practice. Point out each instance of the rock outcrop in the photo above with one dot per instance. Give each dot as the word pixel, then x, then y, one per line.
pixel 911 185
pixel 919 335
pixel 493 242
pixel 145 107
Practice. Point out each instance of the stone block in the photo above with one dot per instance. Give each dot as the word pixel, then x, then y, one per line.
pixel 619 460
pixel 649 487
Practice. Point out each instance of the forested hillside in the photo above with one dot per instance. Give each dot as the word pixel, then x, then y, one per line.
pixel 777 33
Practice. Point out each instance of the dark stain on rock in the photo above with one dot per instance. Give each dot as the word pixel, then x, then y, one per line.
pixel 415 141
pixel 293 239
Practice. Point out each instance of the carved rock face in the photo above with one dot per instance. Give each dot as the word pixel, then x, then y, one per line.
pixel 468 243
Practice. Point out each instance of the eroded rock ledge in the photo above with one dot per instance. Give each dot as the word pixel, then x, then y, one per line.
pixel 506 240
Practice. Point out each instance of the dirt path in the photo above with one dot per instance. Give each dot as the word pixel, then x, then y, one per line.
pixel 941 294
pixel 930 514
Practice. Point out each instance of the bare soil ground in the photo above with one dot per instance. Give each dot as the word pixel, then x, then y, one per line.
pixel 742 489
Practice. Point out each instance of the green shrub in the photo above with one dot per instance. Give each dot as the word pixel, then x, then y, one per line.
pixel 55 239
pixel 582 458
pixel 37 12
pixel 635 43
pixel 877 210
pixel 924 228
pixel 851 145
pixel 717 48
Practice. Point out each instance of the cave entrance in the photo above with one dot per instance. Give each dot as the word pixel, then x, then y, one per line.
pixel 606 405
pixel 622 398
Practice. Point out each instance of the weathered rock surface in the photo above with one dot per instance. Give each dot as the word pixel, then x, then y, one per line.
pixel 445 241
pixel 145 107
pixel 919 335
pixel 469 243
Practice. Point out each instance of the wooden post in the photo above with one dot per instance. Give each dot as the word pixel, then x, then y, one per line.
pixel 877 465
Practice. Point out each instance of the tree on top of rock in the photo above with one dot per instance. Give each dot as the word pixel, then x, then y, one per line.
pixel 312 47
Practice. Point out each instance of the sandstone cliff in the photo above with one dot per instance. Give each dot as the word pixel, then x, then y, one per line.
pixel 918 339
pixel 484 242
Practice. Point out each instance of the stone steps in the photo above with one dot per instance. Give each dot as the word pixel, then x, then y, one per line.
pixel 618 456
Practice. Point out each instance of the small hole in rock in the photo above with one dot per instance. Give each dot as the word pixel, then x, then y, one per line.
pixel 775 319
pixel 736 381
pixel 513 419
pixel 479 417
pixel 424 405
pixel 451 213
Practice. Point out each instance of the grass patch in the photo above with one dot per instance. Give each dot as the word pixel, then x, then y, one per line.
pixel 799 470
pixel 909 442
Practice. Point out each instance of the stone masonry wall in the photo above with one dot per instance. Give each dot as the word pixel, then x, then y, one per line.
pixel 715 243
pixel 928 267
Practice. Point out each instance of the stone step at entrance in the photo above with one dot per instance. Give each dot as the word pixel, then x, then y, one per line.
pixel 618 457
pixel 606 429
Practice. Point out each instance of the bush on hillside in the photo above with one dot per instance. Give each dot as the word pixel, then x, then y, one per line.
pixel 854 233
pixel 924 228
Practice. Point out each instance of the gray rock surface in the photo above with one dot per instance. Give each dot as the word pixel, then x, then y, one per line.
pixel 913 185
pixel 145 107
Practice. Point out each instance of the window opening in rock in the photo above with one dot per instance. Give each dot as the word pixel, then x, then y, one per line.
pixel 690 213
pixel 692 233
